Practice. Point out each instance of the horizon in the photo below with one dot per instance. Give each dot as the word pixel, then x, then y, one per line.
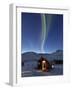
pixel 42 52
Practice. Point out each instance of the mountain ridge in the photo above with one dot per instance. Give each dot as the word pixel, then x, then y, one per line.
pixel 58 54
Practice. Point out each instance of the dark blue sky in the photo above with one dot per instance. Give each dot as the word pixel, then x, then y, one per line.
pixel 32 30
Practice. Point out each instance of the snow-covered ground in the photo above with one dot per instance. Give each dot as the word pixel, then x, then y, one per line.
pixel 56 70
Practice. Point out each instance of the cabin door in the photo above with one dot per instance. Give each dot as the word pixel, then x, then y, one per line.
pixel 43 65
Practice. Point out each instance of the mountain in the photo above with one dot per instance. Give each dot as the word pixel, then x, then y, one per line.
pixel 30 56
pixel 58 55
pixel 58 52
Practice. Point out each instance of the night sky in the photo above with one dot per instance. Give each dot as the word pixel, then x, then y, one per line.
pixel 31 38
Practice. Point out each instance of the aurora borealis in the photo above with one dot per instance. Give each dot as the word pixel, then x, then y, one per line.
pixel 43 36
pixel 44 30
pixel 41 33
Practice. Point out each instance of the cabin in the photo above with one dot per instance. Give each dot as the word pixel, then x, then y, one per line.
pixel 43 64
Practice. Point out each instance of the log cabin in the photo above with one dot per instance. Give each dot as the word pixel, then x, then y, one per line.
pixel 43 64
